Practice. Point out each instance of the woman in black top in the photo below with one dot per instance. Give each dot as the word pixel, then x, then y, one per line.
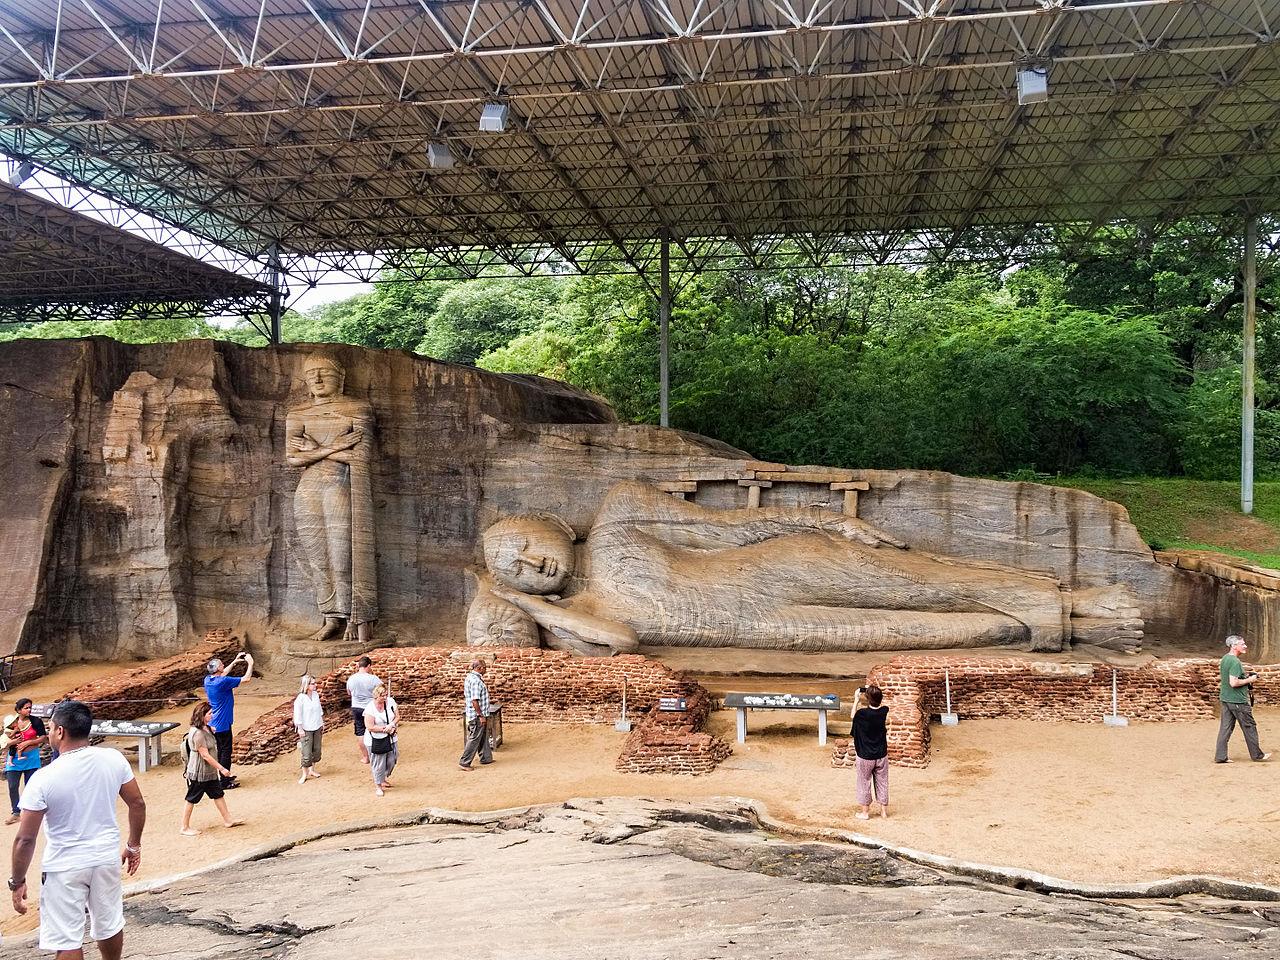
pixel 871 743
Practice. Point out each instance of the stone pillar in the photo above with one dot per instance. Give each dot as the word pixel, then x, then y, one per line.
pixel 753 491
pixel 851 489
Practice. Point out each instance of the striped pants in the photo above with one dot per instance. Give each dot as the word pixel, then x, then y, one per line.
pixel 867 772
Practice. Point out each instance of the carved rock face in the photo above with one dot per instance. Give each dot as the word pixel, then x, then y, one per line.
pixel 493 622
pixel 323 376
pixel 532 554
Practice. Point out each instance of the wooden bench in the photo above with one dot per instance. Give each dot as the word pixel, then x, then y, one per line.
pixel 823 703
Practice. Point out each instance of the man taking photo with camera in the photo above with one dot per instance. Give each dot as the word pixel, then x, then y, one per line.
pixel 220 687
pixel 1236 693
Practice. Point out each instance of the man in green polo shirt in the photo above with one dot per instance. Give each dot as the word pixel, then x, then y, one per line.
pixel 1233 691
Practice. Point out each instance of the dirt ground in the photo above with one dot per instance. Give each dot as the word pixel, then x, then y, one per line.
pixel 1077 801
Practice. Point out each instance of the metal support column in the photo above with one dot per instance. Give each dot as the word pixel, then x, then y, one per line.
pixel 277 299
pixel 664 324
pixel 1247 365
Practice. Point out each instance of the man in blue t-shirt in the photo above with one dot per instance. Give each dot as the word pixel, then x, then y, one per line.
pixel 220 689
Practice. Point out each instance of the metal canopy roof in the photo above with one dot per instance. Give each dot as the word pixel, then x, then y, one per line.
pixel 58 264
pixel 251 121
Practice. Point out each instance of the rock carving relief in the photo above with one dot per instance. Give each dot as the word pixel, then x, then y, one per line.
pixel 659 570
pixel 331 438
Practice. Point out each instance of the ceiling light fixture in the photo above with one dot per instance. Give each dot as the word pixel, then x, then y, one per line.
pixel 25 169
pixel 493 118
pixel 1033 83
pixel 439 156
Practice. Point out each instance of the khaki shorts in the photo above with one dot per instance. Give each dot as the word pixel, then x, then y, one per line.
pixel 67 894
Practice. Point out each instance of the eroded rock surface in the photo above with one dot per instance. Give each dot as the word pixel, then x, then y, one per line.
pixel 151 497
pixel 639 880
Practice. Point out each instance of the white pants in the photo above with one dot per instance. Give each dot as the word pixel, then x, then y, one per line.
pixel 64 897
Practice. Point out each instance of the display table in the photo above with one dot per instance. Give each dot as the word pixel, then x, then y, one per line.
pixel 146 732
pixel 822 703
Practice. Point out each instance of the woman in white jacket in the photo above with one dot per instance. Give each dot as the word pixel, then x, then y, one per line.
pixel 308 720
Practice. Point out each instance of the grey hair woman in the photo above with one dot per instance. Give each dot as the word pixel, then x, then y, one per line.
pixel 381 718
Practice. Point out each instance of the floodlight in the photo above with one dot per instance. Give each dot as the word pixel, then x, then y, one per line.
pixel 493 118
pixel 1033 84
pixel 439 156
pixel 25 169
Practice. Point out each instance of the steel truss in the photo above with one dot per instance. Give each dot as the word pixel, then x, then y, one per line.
pixel 252 122
pixel 59 264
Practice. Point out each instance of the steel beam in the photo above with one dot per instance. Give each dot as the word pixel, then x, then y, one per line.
pixel 1247 365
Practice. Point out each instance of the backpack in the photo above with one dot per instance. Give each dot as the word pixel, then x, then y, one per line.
pixel 185 752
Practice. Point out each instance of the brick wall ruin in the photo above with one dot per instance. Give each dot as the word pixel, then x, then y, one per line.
pixel 1013 688
pixel 672 742
pixel 138 691
pixel 533 686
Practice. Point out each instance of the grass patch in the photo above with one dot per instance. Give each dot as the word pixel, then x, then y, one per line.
pixel 1173 512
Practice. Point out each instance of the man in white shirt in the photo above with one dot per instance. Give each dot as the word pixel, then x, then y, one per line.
pixel 360 685
pixel 75 798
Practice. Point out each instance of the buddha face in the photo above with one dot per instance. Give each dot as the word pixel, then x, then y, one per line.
pixel 530 554
pixel 323 377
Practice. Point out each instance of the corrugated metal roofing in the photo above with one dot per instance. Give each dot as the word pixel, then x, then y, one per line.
pixel 247 121
pixel 58 263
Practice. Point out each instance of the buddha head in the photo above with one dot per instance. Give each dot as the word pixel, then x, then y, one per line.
pixel 531 553
pixel 323 375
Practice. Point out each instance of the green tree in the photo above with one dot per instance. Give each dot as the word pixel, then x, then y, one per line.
pixel 474 318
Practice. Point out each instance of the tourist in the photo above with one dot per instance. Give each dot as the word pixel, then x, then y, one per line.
pixel 75 798
pixel 380 720
pixel 203 772
pixel 308 720
pixel 360 686
pixel 23 709
pixel 476 695
pixel 1235 690
pixel 220 688
pixel 24 735
pixel 871 745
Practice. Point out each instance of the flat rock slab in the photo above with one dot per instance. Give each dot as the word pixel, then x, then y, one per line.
pixel 643 879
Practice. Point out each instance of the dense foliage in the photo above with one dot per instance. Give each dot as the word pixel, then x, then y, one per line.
pixel 1113 354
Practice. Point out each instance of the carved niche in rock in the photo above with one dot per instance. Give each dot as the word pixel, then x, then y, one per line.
pixel 662 571
pixel 331 439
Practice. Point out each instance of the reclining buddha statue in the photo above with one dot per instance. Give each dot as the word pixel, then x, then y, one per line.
pixel 661 571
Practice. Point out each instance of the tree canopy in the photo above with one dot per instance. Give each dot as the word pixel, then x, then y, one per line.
pixel 1115 353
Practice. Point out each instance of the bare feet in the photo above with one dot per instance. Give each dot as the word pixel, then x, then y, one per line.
pixel 233 823
pixel 464 768
pixel 884 812
pixel 189 832
pixel 13 818
pixel 303 778
pixel 314 775
pixel 332 627
pixel 862 816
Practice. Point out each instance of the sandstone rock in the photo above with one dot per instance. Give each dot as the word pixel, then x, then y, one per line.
pixel 149 499
pixel 642 879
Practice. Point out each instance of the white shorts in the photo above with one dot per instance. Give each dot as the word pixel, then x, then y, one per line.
pixel 64 897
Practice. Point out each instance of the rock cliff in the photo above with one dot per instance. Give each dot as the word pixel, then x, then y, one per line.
pixel 148 498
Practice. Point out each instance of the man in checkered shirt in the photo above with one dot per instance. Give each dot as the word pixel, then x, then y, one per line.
pixel 476 695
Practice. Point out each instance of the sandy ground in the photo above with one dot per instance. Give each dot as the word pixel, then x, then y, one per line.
pixel 1078 801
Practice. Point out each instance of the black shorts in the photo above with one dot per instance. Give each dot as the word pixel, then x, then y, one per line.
pixel 357 717
pixel 204 788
